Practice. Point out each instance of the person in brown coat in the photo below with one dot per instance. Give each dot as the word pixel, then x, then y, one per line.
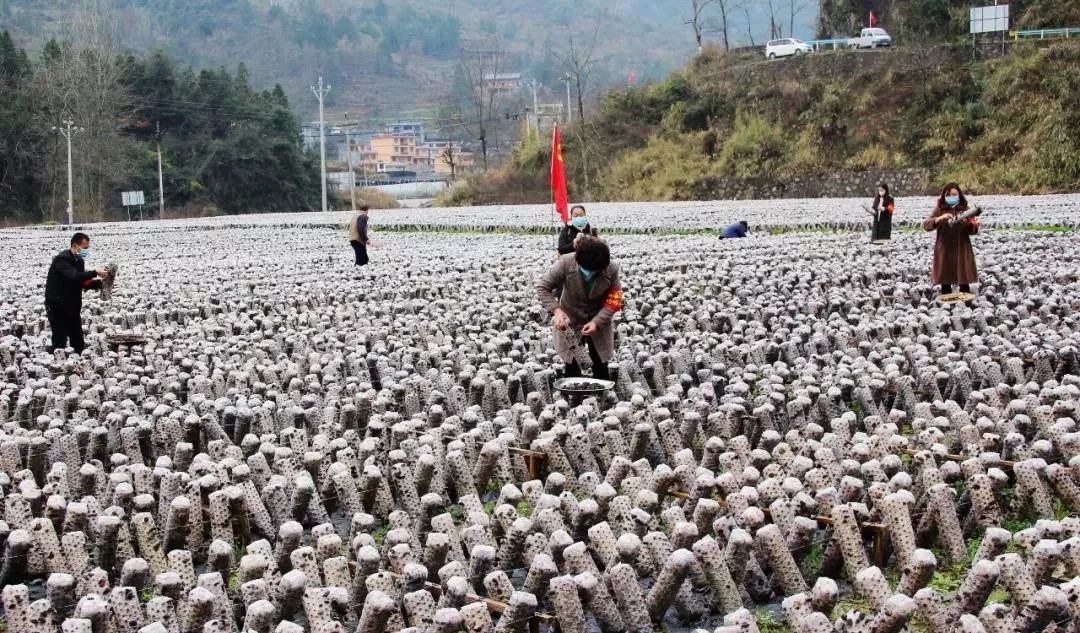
pixel 954 260
pixel 358 233
pixel 583 313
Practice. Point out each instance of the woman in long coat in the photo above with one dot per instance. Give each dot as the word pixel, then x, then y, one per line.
pixel 583 313
pixel 883 207
pixel 954 259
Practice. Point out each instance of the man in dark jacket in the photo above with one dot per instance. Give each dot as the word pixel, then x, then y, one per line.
pixel 67 280
pixel 738 229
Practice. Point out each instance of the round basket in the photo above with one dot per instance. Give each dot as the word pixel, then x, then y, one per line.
pixel 955 297
pixel 583 386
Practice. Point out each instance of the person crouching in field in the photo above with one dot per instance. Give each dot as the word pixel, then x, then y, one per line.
pixel 735 231
pixel 954 259
pixel 358 233
pixel 591 296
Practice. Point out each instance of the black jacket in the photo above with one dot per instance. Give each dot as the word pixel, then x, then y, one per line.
pixel 882 202
pixel 569 234
pixel 64 285
pixel 361 226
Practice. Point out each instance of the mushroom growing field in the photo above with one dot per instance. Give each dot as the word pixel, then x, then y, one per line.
pixel 261 437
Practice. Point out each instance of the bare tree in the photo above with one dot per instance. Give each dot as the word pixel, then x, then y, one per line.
pixel 795 7
pixel 704 24
pixel 726 8
pixel 699 20
pixel 449 158
pixel 776 30
pixel 449 155
pixel 749 24
pixel 578 60
pixel 83 80
pixel 480 69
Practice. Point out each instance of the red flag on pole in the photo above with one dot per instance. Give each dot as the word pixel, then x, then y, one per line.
pixel 558 177
pixel 873 20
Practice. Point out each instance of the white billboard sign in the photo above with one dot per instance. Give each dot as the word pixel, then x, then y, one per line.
pixel 132 198
pixel 990 19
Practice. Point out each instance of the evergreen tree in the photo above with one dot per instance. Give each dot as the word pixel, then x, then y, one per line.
pixel 225 146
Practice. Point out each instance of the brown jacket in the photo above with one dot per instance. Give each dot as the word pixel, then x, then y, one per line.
pixel 954 260
pixel 598 305
pixel 358 229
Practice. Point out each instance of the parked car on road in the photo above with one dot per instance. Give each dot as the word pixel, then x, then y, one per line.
pixel 787 47
pixel 871 38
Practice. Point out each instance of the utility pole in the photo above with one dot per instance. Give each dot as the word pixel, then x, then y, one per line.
pixel 67 132
pixel 160 178
pixel 348 158
pixel 569 110
pixel 535 110
pixel 320 92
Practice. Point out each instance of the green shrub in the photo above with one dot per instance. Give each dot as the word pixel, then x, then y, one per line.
pixel 666 169
pixel 756 147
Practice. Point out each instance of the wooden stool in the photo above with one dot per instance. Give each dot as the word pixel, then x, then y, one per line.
pixel 116 341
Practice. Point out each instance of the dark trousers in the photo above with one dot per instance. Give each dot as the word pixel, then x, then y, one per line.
pixel 361 252
pixel 947 288
pixel 599 367
pixel 65 325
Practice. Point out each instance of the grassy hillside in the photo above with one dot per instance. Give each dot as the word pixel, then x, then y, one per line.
pixel 1010 124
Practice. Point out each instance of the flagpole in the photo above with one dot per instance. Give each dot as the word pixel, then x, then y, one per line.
pixel 555 130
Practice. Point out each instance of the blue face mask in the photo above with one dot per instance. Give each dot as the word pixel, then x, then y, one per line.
pixel 586 273
pixel 84 253
pixel 580 222
pixel 952 201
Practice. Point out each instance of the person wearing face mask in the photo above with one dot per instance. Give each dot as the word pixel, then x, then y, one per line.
pixel 578 225
pixel 954 259
pixel 583 313
pixel 883 207
pixel 67 280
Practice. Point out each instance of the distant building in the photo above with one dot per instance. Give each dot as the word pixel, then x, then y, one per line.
pixel 403 151
pixel 548 113
pixel 406 127
pixel 339 181
pixel 335 137
pixel 503 82
pixel 451 158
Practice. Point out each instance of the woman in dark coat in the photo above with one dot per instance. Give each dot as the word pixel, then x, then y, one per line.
pixel 578 225
pixel 883 207
pixel 954 260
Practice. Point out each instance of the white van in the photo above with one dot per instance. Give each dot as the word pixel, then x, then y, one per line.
pixel 871 38
pixel 787 47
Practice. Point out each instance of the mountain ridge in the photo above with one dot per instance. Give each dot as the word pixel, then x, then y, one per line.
pixel 388 59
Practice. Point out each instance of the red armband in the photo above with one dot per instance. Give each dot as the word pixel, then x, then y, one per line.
pixel 87 282
pixel 613 300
